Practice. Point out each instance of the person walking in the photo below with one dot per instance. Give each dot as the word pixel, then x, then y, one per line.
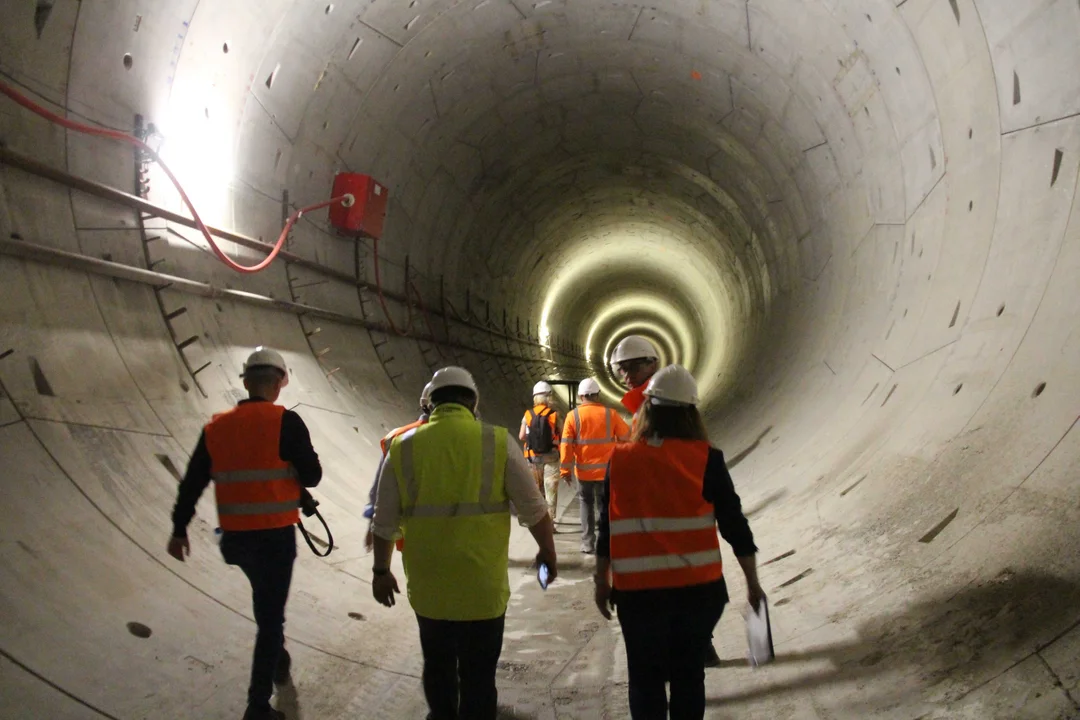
pixel 259 456
pixel 634 361
pixel 658 556
pixel 384 445
pixel 540 433
pixel 447 487
pixel 588 439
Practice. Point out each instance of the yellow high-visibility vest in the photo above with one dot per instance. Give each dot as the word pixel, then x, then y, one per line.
pixel 455 515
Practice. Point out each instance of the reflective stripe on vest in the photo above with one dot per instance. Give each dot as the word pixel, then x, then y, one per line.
pixel 586 454
pixel 663 532
pixel 455 515
pixel 254 488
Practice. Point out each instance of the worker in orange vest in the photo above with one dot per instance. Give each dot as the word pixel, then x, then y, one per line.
pixel 588 438
pixel 259 456
pixel 540 433
pixel 384 445
pixel 658 556
pixel 634 361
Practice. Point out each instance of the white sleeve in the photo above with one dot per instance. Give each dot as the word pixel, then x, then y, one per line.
pixel 521 487
pixel 387 519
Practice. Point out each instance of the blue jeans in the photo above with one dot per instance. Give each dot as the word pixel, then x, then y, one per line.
pixel 266 557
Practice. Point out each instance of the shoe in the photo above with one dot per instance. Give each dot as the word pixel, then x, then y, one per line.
pixel 267 713
pixel 712 660
pixel 284 664
pixel 588 551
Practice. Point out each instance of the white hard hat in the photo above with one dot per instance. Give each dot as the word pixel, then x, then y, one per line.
pixel 672 385
pixel 588 386
pixel 265 357
pixel 452 376
pixel 425 395
pixel 632 347
pixel 542 388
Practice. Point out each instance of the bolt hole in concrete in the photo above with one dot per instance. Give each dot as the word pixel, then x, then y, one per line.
pixel 225 48
pixel 357 616
pixel 956 390
pixel 1001 310
pixel 139 630
pixel 971 205
pixel 329 8
pixel 128 62
pixel 1038 390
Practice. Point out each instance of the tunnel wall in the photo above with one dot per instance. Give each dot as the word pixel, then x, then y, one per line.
pixel 897 442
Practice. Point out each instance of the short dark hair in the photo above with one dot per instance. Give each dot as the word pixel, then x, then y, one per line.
pixel 262 375
pixel 453 394
pixel 678 422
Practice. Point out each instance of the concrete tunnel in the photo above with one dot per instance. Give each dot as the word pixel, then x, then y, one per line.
pixel 852 219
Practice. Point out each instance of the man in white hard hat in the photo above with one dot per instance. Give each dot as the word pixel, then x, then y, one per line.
pixel 588 439
pixel 384 445
pixel 447 487
pixel 259 456
pixel 540 433
pixel 635 360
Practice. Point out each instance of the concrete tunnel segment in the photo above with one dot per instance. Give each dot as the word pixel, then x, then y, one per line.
pixel 855 220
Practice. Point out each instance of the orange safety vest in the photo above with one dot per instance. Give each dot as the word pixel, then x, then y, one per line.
pixel 255 489
pixel 663 532
pixel 635 398
pixel 588 439
pixel 553 420
pixel 384 444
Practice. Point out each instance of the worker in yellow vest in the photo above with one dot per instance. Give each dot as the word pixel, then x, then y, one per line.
pixel 258 455
pixel 588 439
pixel 447 487
pixel 658 556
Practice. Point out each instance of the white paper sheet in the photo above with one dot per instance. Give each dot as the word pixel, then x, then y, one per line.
pixel 759 635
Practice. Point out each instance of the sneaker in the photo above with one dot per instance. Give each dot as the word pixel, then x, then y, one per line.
pixel 588 550
pixel 712 660
pixel 281 672
pixel 266 713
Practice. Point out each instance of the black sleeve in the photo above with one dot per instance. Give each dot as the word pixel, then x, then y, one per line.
pixel 603 527
pixel 195 481
pixel 720 491
pixel 295 447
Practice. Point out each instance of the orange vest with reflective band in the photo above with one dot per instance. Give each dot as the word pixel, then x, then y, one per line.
pixel 588 439
pixel 553 421
pixel 663 532
pixel 635 398
pixel 384 444
pixel 255 489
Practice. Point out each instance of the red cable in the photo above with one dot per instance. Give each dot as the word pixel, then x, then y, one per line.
pixel 132 140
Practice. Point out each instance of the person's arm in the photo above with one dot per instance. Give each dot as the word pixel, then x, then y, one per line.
pixel 373 493
pixel 384 524
pixel 523 431
pixel 531 507
pixel 567 448
pixel 554 420
pixel 602 577
pixel 619 427
pixel 296 449
pixel 719 490
pixel 196 478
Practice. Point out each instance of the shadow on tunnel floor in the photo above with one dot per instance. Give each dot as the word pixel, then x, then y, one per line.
pixel 939 649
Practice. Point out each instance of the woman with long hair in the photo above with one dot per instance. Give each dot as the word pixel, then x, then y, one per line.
pixel 658 556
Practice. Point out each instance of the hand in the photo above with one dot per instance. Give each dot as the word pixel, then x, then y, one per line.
pixel 551 561
pixel 755 595
pixel 602 596
pixel 569 480
pixel 383 588
pixel 179 547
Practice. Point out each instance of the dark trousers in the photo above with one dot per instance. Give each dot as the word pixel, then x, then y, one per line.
pixel 590 493
pixel 459 660
pixel 266 557
pixel 666 633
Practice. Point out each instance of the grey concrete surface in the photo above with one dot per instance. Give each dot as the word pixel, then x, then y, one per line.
pixel 854 220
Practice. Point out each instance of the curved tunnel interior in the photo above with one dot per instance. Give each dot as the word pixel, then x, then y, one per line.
pixel 855 221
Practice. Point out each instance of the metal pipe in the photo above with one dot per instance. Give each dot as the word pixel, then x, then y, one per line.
pixel 34 167
pixel 84 263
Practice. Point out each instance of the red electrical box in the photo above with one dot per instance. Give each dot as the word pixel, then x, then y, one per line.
pixel 367 213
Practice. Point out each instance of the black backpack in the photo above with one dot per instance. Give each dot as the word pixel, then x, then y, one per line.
pixel 539 436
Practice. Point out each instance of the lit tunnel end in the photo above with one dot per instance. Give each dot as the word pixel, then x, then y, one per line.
pixel 854 221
